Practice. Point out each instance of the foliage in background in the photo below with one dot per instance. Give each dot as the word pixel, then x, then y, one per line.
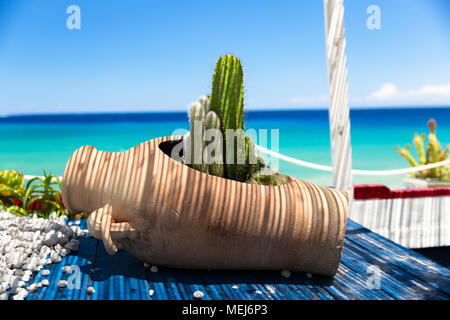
pixel 432 154
pixel 11 183
pixel 40 195
pixel 224 110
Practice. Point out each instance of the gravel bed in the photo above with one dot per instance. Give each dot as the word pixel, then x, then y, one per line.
pixel 27 244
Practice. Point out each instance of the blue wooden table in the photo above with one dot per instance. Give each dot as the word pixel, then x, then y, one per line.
pixel 372 267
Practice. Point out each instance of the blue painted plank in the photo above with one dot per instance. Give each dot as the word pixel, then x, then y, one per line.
pixel 411 259
pixel 414 263
pixel 118 277
pixel 346 284
pixel 83 259
pixel 353 286
pixel 176 284
pixel 353 226
pixel 296 287
pixel 395 281
pixel 234 285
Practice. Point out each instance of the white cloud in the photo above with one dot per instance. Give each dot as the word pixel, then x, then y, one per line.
pixel 388 91
pixel 388 95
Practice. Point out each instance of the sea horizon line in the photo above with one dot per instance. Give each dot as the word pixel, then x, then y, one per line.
pixel 180 111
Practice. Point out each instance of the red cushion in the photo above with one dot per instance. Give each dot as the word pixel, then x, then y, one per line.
pixel 378 191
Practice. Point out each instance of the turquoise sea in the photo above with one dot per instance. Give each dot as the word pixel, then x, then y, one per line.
pixel 36 142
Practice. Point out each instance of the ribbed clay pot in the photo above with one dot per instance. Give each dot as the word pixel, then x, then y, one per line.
pixel 167 213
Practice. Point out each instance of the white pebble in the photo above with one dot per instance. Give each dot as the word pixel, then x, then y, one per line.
pixel 154 269
pixel 19 294
pixel 151 292
pixel 78 222
pixel 55 257
pixel 270 288
pixel 83 232
pixel 32 288
pixel 90 290
pixel 45 283
pixel 45 272
pixel 67 269
pixel 258 292
pixel 4 296
pixel 235 287
pixel 286 273
pixel 17 283
pixel 198 294
pixel 62 283
pixel 26 278
pixel 37 269
pixel 29 243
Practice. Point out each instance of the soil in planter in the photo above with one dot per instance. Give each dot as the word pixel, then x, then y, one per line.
pixel 266 180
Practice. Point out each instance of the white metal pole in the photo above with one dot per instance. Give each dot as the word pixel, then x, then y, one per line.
pixel 341 152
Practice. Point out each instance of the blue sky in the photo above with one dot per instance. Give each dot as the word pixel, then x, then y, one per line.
pixel 160 55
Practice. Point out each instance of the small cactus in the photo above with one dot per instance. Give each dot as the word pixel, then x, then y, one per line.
pixel 196 119
pixel 212 121
pixel 433 154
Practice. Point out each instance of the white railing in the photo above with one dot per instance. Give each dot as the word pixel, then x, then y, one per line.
pixel 321 167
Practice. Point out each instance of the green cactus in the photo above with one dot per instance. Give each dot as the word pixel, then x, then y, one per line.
pixel 224 110
pixel 227 99
pixel 435 148
pixel 433 154
pixel 418 142
pixel 197 145
pixel 405 154
pixel 11 183
pixel 212 121
pixel 206 104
